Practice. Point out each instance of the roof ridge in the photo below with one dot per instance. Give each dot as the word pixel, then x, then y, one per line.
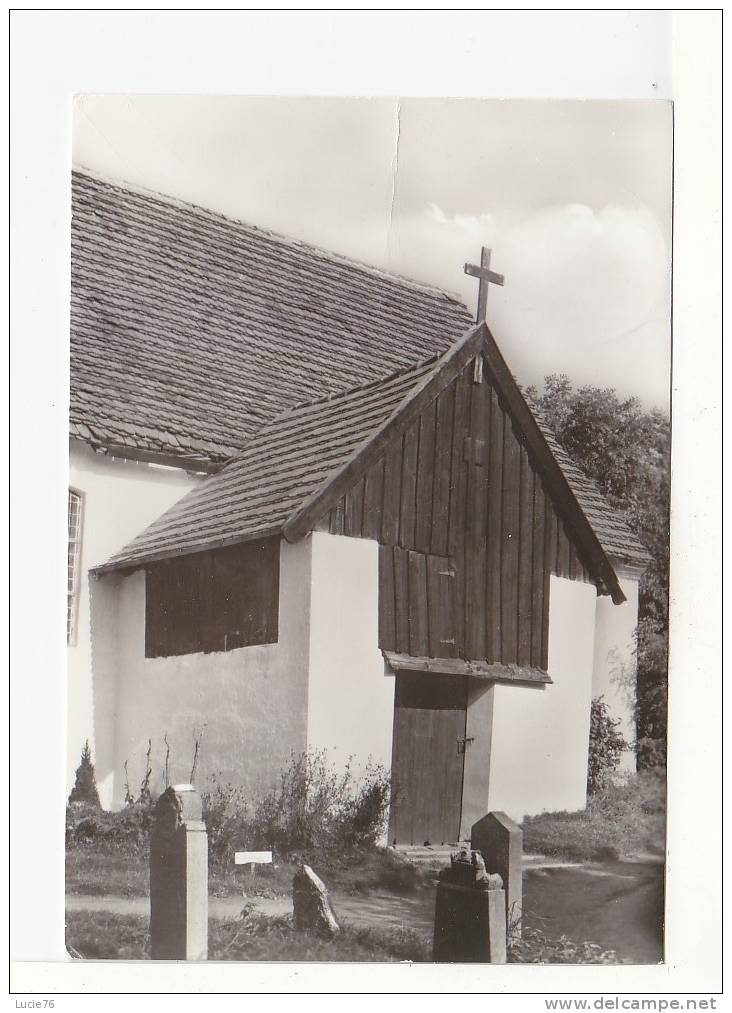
pixel 273 234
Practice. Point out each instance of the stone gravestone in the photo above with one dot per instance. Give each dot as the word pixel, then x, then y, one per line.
pixel 311 908
pixel 179 877
pixel 470 913
pixel 500 842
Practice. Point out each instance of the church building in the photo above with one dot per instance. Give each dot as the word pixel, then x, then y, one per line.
pixel 312 509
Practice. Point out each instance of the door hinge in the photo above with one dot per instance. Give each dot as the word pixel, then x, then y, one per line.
pixel 463 743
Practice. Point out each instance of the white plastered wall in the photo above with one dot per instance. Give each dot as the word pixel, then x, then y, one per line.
pixel 120 498
pixel 250 703
pixel 615 667
pixel 540 733
pixel 350 699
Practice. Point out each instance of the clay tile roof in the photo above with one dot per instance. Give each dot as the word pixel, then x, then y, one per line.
pixel 296 455
pixel 189 331
pixel 616 537
pixel 195 336
pixel 287 460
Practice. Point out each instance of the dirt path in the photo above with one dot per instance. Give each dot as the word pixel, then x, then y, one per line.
pixel 381 909
pixel 618 905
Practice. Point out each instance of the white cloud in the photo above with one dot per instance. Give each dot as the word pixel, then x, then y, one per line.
pixel 587 291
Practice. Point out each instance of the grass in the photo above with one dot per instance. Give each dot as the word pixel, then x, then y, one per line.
pixel 107 872
pixel 122 870
pixel 536 948
pixel 103 935
pixel 624 819
pixel 99 935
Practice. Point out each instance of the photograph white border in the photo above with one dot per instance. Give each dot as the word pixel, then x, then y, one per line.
pixel 636 55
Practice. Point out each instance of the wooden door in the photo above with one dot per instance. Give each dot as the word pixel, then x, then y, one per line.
pixel 427 758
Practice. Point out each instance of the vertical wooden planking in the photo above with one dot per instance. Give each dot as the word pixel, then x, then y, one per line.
pixel 495 529
pixel 573 562
pixel 456 527
pixel 387 615
pixel 448 646
pixel 526 566
pixel 435 627
pixel 354 510
pixel 418 633
pixel 200 609
pixel 373 501
pixel 425 479
pixel 509 553
pixel 401 600
pixel 550 559
pixel 409 486
pixel 538 564
pixel 476 523
pixel 155 635
pixel 458 499
pixel 213 600
pixel 562 550
pixel 392 493
pixel 337 516
pixel 443 470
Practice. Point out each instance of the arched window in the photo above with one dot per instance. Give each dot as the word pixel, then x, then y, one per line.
pixel 74 568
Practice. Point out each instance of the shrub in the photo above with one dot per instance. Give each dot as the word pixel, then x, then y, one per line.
pixel 225 814
pixel 85 786
pixel 651 753
pixel 363 817
pixel 536 948
pixel 606 747
pixel 313 808
pixel 128 829
pixel 623 818
pixel 316 807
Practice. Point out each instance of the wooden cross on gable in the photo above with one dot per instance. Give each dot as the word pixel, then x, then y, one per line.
pixel 486 276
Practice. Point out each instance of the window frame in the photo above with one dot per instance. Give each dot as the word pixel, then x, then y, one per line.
pixel 74 594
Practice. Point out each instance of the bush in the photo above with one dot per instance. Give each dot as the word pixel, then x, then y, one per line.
pixel 225 813
pixel 606 747
pixel 651 753
pixel 316 807
pixel 535 948
pixel 85 786
pixel 128 829
pixel 313 808
pixel 621 819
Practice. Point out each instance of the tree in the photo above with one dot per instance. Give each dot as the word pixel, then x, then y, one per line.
pixel 85 786
pixel 606 747
pixel 626 449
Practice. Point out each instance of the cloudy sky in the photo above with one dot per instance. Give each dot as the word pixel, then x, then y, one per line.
pixel 574 199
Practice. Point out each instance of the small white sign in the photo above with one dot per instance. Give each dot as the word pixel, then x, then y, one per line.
pixel 252 858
